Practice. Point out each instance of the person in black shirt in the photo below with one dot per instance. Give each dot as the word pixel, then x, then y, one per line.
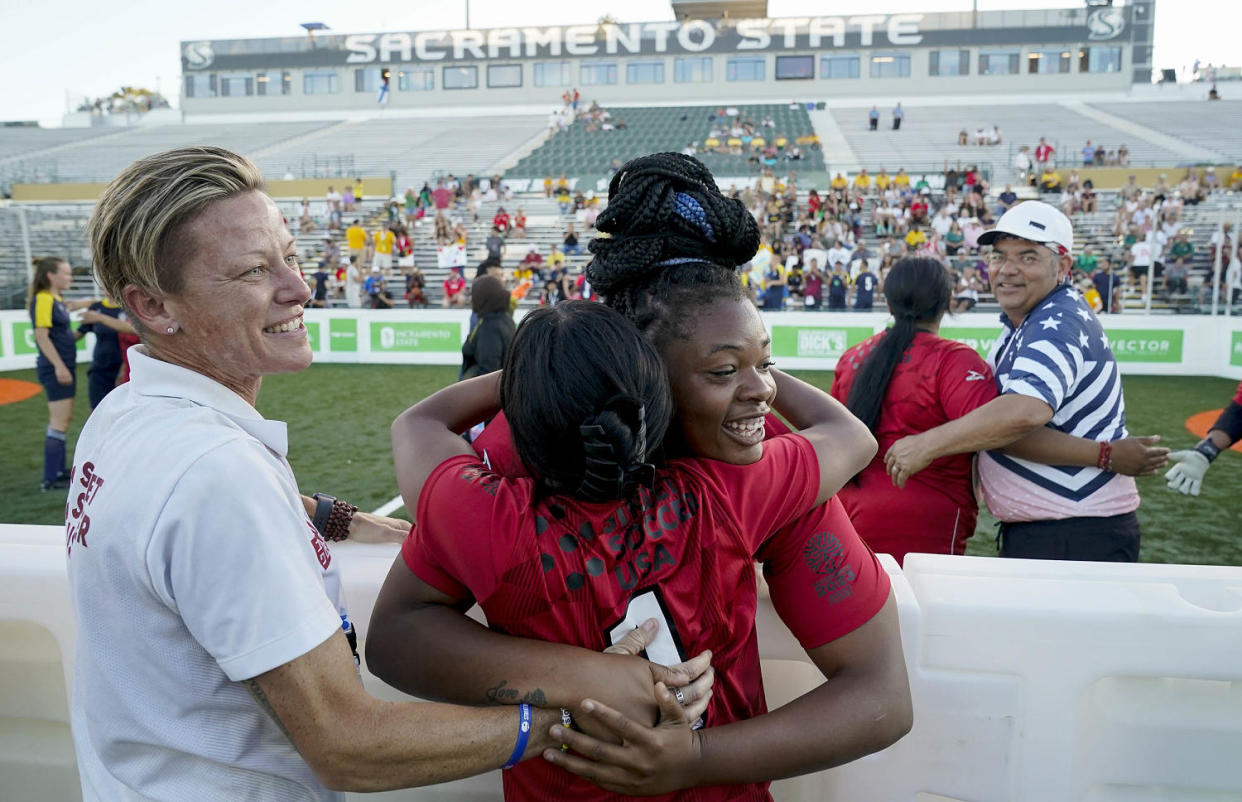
pixel 838 285
pixel 864 293
pixel 107 320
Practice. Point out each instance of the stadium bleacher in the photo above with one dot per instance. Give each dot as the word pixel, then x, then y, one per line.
pixel 588 155
pixel 1213 126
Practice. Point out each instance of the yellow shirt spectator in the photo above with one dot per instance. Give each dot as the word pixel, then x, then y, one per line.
pixel 358 190
pixel 1235 179
pixel 384 239
pixel 901 180
pixel 882 181
pixel 556 259
pixel 839 182
pixel 915 237
pixel 862 181
pixel 356 238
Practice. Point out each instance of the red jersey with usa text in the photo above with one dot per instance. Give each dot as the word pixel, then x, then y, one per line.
pixel 583 573
pixel 936 381
pixel 823 580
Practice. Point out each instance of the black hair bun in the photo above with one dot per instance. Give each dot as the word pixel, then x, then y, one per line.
pixel 666 209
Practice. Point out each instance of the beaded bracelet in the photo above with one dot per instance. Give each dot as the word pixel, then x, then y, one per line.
pixel 1105 460
pixel 332 516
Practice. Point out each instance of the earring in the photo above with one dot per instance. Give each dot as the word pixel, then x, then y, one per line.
pixel 171 329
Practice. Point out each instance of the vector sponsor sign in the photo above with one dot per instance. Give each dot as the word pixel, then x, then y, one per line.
pixel 388 337
pixel 1146 345
pixel 816 341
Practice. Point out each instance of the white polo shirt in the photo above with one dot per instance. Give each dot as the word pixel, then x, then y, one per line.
pixel 192 566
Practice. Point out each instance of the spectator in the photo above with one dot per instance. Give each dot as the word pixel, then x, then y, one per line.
pixel 862 183
pixel 570 241
pixel 377 290
pixel 966 291
pixel 954 239
pixel 564 201
pixel 356 239
pixel 864 288
pixel 899 114
pixel 994 136
pixel 485 347
pixel 963 138
pixel 385 240
pixel 814 285
pixel 353 284
pixel 1085 263
pixel 838 287
pixel 1044 155
pixel 454 290
pixel 1088 154
pixel 415 288
pixel 1123 156
pixel 1006 200
pixel 1049 180
pixel 1058 511
pixel 495 245
pixel 319 298
pixel 1107 285
pixel 873 118
pixel 441 196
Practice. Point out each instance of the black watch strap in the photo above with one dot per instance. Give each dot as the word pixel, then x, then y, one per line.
pixel 1208 449
pixel 323 511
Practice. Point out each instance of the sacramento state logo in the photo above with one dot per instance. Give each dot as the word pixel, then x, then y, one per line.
pixel 198 55
pixel 1105 23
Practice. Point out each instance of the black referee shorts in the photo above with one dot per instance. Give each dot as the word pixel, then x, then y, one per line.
pixel 1112 539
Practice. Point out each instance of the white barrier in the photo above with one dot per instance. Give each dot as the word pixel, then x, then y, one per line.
pixel 1185 345
pixel 1032 681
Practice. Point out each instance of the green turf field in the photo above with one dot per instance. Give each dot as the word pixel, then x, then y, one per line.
pixel 338 419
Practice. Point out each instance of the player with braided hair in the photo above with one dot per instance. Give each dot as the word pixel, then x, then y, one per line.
pixel 825 583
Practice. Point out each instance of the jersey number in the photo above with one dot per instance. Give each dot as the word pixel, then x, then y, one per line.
pixel 648 604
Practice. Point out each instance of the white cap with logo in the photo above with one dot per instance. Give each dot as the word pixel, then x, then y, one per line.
pixel 1035 221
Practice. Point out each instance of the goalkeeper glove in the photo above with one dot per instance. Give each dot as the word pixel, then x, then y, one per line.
pixel 1187 475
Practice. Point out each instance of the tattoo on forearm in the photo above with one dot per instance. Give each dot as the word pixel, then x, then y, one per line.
pixel 260 697
pixel 501 694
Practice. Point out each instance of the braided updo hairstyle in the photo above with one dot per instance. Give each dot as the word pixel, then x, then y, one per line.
pixel 674 242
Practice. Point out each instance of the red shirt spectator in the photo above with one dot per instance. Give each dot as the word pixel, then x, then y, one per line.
pixel 501 221
pixel 1044 152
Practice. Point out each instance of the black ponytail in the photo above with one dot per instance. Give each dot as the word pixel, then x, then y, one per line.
pixel 917 289
pixel 674 241
pixel 587 401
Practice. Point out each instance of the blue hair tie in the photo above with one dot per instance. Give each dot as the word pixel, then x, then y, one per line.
pixel 688 208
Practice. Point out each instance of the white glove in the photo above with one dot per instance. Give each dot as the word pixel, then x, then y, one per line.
pixel 1187 475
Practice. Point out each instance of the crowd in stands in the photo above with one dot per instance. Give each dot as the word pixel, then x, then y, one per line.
pixel 734 134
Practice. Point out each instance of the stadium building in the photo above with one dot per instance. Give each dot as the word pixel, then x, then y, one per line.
pixel 695 59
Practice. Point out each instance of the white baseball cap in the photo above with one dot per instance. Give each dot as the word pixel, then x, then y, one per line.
pixel 1034 221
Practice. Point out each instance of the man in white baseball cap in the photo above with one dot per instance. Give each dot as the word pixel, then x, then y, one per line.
pixel 1054 369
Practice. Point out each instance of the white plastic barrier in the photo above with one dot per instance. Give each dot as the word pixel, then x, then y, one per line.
pixel 1032 681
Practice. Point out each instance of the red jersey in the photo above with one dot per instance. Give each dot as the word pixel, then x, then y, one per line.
pixel 454 284
pixel 937 381
pixel 581 573
pixel 1044 152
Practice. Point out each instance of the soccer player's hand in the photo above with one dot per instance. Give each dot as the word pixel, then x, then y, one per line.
pixel 1138 456
pixel 63 376
pixel 1187 475
pixel 647 761
pixel 694 677
pixel 905 458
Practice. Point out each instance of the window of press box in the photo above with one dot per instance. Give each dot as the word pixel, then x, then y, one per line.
pixel 644 72
pixel 504 76
pixel 1099 59
pixel 597 73
pixel 948 62
pixel 273 83
pixel 553 73
pixel 416 79
pixel 320 83
pixel 1048 62
pixel 839 66
pixel 461 77
pixel 998 62
pixel 367 80
pixel 200 85
pixel 745 68
pixel 692 70
pixel 795 68
pixel 890 65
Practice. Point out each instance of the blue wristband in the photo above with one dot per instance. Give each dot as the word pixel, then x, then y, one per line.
pixel 519 748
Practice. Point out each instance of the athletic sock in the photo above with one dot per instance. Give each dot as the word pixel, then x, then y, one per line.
pixel 53 454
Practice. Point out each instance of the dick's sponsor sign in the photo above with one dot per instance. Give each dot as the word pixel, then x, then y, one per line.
pixel 816 341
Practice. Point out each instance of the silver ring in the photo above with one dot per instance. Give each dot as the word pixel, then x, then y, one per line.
pixel 681 699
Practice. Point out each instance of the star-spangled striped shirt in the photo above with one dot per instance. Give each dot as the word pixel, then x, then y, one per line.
pixel 1059 354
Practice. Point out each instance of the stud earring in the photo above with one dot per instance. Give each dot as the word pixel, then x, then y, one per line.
pixel 171 329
